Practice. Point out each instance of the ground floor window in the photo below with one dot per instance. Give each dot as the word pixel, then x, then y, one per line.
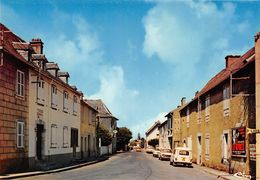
pixel 207 146
pixel 20 133
pixel 74 138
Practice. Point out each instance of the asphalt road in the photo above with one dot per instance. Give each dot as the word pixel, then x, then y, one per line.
pixel 130 166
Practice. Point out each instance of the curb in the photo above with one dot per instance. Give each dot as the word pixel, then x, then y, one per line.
pixel 54 170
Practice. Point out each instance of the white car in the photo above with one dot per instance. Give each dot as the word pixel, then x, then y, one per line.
pixel 165 154
pixel 149 149
pixel 156 152
pixel 181 155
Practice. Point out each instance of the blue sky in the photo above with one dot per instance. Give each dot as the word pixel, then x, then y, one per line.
pixel 140 57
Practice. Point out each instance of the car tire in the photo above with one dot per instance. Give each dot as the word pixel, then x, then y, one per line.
pixel 171 163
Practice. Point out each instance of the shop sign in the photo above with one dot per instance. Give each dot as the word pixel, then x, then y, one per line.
pixel 239 142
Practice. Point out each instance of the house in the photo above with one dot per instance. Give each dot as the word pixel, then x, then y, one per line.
pixel 214 124
pixel 174 117
pixel 153 131
pixel 54 113
pixel 164 142
pixel 14 102
pixel 107 119
pixel 88 130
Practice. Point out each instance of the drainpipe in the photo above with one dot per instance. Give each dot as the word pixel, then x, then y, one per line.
pixel 257 101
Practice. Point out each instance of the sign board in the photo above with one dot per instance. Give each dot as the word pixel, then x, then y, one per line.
pixel 239 142
pixel 252 150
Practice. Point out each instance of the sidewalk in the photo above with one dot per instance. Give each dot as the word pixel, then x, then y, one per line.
pixel 35 173
pixel 219 174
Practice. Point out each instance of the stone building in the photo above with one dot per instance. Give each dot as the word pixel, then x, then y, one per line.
pixel 107 119
pixel 153 131
pixel 88 130
pixel 164 142
pixel 214 123
pixel 14 98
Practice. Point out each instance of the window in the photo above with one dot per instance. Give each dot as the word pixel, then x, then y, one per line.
pixel 40 91
pixel 89 116
pixel 1 58
pixel 65 136
pixel 199 112
pixel 54 129
pixel 20 83
pixel 54 96
pixel 75 109
pixel 225 146
pixel 65 101
pixel 207 144
pixel 20 134
pixel 188 116
pixel 207 107
pixel 226 96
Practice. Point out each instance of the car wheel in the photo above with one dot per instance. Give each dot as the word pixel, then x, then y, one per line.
pixel 171 163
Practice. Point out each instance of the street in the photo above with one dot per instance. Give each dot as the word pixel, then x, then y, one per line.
pixel 132 166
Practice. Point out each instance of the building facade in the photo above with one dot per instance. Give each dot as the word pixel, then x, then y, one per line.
pixel 54 113
pixel 153 132
pixel 164 142
pixel 88 130
pixel 214 124
pixel 14 98
pixel 108 120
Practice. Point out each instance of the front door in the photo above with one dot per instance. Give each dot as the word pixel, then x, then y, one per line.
pixel 199 150
pixel 39 141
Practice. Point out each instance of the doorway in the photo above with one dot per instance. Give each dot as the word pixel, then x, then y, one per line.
pixel 199 149
pixel 39 145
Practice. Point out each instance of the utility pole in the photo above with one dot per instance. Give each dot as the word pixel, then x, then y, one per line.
pixel 257 101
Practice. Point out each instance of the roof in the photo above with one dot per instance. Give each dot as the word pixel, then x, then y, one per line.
pixel 102 109
pixel 86 103
pixel 163 123
pixel 156 124
pixel 66 74
pixel 10 43
pixel 223 75
pixel 52 65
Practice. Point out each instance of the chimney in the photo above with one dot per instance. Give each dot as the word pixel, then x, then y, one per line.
pixel 37 45
pixel 64 76
pixel 183 101
pixel 230 59
pixel 52 68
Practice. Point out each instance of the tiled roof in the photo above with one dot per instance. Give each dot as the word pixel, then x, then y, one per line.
pixel 223 75
pixel 102 109
pixel 66 74
pixel 52 65
pixel 38 56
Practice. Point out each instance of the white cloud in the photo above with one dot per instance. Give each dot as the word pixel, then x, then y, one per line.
pixel 147 123
pixel 114 91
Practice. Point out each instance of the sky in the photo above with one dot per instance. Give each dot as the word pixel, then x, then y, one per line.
pixel 139 57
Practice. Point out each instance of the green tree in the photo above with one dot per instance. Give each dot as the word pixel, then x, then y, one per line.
pixel 123 137
pixel 104 134
pixel 153 142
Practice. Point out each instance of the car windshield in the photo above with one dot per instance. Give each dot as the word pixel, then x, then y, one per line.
pixel 166 151
pixel 183 152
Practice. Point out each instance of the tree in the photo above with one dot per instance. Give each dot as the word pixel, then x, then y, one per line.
pixel 153 142
pixel 138 136
pixel 123 137
pixel 104 134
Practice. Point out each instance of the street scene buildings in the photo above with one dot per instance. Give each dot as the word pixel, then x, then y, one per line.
pixel 217 123
pixel 44 120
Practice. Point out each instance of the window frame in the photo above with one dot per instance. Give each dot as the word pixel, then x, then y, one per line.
pixel 20 86
pixel 54 94
pixel 65 101
pixel 54 142
pixel 20 134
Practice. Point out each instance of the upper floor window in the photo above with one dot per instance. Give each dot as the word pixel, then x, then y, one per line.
pixel 89 116
pixel 207 106
pixel 226 103
pixel 20 81
pixel 65 101
pixel 20 134
pixel 75 105
pixel 54 97
pixel 199 112
pixel 40 91
pixel 188 116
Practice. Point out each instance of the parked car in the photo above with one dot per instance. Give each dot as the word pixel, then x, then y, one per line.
pixel 149 149
pixel 181 155
pixel 138 149
pixel 156 152
pixel 165 154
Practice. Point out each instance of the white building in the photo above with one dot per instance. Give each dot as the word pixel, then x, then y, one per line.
pixel 153 131
pixel 54 113
pixel 164 140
